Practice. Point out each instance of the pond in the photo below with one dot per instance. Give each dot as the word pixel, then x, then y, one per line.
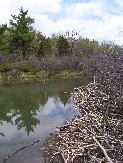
pixel 30 111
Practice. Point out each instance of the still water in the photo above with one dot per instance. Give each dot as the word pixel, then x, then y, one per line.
pixel 30 111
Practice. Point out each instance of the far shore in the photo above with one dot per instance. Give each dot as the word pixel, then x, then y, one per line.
pixel 17 76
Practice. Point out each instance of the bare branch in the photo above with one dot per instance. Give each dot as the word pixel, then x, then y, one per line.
pixel 103 150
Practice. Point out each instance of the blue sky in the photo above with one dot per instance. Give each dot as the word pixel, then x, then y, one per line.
pixel 96 19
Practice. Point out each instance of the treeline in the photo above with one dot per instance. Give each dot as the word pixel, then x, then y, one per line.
pixel 26 49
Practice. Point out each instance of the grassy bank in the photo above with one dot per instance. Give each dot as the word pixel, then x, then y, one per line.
pixel 17 76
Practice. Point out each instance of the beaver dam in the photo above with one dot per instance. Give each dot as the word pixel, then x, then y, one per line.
pixel 94 136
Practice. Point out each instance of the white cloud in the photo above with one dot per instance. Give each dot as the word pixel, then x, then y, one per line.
pixel 99 18
pixel 44 24
pixel 84 9
pixel 8 7
pixel 119 3
pixel 41 6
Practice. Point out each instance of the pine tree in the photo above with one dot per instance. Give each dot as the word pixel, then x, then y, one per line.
pixel 44 46
pixel 63 46
pixel 21 33
pixel 3 40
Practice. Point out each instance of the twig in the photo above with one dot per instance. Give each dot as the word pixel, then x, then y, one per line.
pixel 104 152
pixel 63 158
pixel 20 149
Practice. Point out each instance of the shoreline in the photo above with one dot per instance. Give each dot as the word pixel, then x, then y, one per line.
pixel 22 77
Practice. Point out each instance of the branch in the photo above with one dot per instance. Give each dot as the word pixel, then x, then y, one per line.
pixel 103 150
pixel 63 158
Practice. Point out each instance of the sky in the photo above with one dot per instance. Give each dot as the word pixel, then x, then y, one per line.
pixel 101 20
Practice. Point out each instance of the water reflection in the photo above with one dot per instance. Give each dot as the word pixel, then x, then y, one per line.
pixel 23 105
pixel 54 106
pixel 20 105
pixel 32 110
pixel 22 102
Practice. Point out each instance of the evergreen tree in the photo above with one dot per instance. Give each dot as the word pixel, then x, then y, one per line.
pixel 63 46
pixel 44 46
pixel 21 33
pixel 3 40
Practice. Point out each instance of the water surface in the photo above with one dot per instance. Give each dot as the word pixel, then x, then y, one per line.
pixel 30 111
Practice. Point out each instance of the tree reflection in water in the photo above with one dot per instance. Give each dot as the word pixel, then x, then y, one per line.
pixel 20 103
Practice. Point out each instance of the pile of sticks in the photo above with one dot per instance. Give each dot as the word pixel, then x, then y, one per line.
pixel 94 136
